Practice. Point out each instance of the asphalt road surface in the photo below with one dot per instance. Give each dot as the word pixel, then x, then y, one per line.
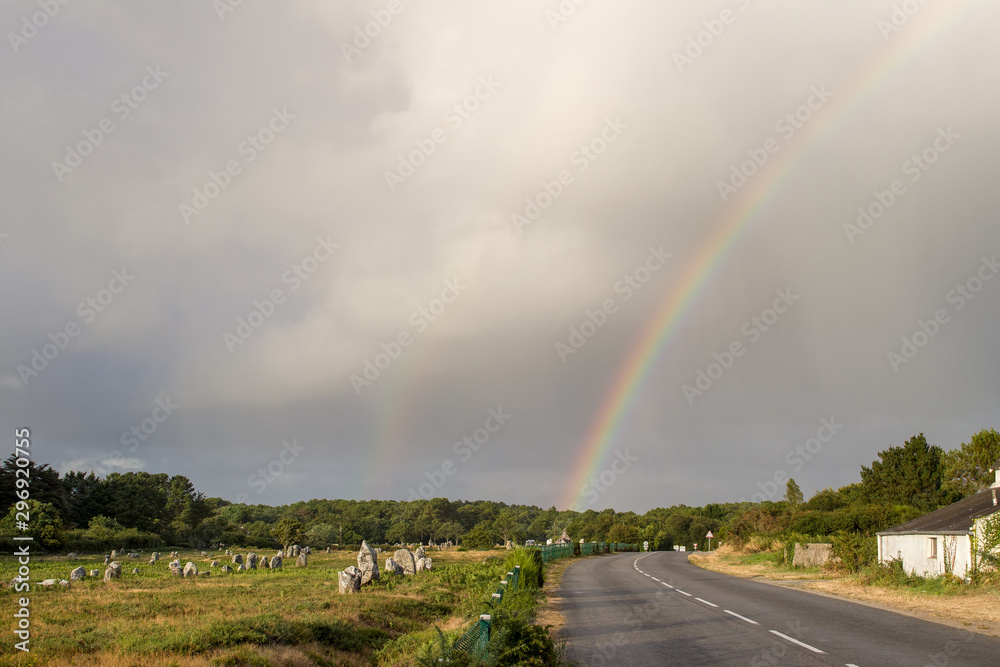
pixel 657 609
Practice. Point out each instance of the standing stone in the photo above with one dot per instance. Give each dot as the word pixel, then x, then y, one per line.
pixel 307 551
pixel 427 564
pixel 276 562
pixel 419 565
pixel 152 561
pixel 328 549
pixel 114 571
pixel 214 563
pixel 237 559
pixel 251 561
pixel 190 570
pixel 349 581
pixel 135 570
pixel 227 569
pixel 78 574
pixel 405 560
pixel 301 560
pixel 114 554
pixel 392 566
pixel 71 554
pixel 418 554
pixel 107 560
pixel 241 568
pixel 204 554
pixel 155 556
pixel 367 563
pixel 264 563
pixel 95 573
pixel 296 550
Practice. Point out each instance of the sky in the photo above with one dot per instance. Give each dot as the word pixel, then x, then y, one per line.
pixel 583 253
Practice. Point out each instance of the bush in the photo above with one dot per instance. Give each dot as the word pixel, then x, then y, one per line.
pixel 855 551
pixel 532 573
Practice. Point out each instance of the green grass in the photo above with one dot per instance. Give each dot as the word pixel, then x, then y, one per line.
pixel 155 618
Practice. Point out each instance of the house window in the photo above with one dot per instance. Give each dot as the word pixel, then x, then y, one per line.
pixel 932 545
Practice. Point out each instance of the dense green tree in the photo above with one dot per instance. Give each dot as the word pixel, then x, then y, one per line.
pixel 907 475
pixel 43 523
pixel 46 486
pixel 624 534
pixel 825 500
pixel 482 536
pixel 968 469
pixel 288 531
pixel 138 500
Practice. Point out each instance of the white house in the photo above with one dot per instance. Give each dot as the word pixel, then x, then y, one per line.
pixel 941 541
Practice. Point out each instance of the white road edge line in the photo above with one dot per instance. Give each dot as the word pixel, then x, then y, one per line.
pixel 654 578
pixel 682 592
pixel 707 602
pixel 666 584
pixel 742 618
pixel 796 641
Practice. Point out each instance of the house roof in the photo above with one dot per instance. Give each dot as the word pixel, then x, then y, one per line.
pixel 955 518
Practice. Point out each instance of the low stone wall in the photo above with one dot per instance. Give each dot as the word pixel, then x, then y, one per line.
pixel 812 554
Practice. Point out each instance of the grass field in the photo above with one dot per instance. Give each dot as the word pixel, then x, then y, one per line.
pixel 293 616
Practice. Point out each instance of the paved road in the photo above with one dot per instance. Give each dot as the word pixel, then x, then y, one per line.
pixel 658 609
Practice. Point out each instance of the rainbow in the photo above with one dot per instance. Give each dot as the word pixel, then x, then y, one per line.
pixel 613 412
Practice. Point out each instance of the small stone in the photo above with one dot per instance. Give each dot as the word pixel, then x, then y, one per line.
pixel 237 559
pixel 135 570
pixel 214 563
pixel 78 574
pixel 48 582
pixel 227 569
pixel 95 573
pixel 301 560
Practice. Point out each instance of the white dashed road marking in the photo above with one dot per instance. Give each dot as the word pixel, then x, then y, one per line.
pixel 742 618
pixel 707 602
pixel 796 641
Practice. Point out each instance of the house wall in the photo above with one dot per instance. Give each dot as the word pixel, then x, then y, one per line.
pixel 913 550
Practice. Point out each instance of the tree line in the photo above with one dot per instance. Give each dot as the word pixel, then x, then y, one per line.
pixel 82 511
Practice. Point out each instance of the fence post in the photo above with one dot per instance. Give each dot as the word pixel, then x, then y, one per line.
pixel 484 632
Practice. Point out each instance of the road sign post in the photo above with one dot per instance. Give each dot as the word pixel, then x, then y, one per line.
pixel 710 536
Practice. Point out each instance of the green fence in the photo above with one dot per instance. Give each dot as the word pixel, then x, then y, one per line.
pixel 475 640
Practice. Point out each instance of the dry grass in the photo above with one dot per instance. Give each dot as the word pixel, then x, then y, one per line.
pixel 968 609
